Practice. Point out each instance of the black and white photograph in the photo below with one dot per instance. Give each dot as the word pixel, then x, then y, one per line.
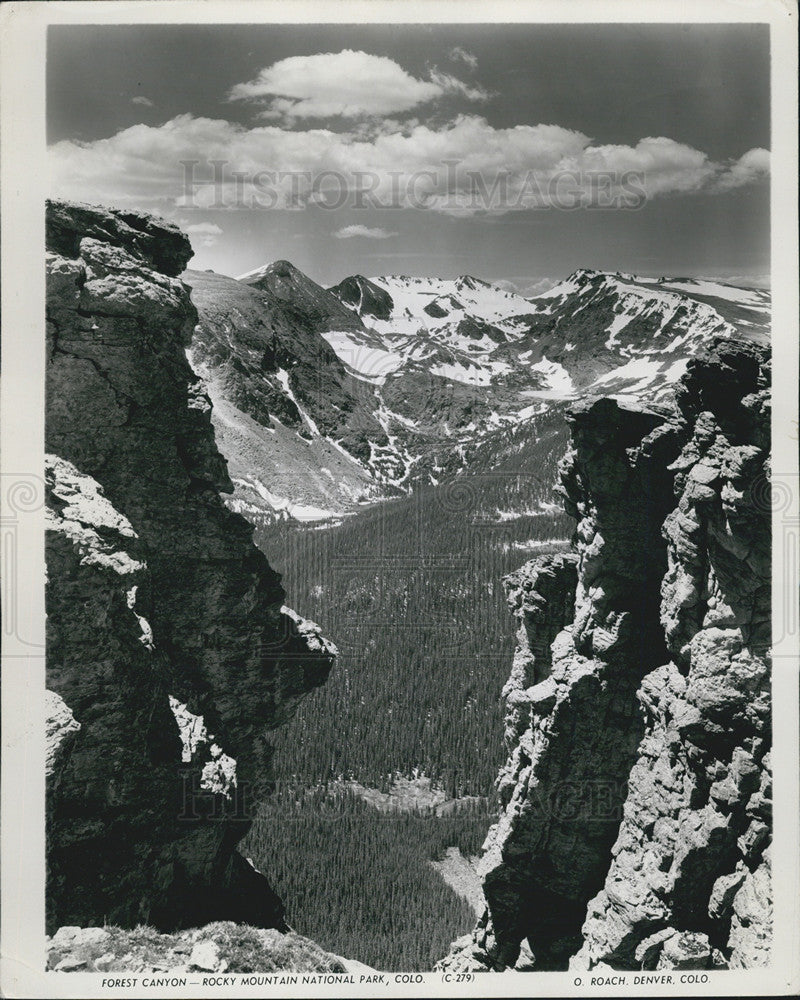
pixel 409 599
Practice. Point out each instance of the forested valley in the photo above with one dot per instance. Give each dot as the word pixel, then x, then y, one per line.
pixel 411 593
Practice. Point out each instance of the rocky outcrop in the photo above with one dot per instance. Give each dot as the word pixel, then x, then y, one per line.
pixel 60 730
pixel 635 802
pixel 168 642
pixel 221 947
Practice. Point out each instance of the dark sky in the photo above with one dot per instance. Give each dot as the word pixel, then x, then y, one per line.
pixel 703 86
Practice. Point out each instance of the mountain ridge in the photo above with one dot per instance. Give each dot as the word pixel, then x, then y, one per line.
pixel 392 381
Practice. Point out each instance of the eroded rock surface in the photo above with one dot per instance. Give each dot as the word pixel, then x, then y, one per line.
pixel 158 601
pixel 636 798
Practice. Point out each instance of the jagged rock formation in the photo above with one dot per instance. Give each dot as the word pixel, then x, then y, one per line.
pixel 635 824
pixel 170 653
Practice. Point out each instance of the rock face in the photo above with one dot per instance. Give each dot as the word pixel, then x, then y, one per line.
pixel 163 618
pixel 364 297
pixel 635 823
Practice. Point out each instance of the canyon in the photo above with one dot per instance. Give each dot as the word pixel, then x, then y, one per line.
pixel 185 408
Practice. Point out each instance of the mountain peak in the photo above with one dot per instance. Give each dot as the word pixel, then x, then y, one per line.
pixel 284 267
pixel 468 281
pixel 583 274
pixel 364 297
pixel 279 268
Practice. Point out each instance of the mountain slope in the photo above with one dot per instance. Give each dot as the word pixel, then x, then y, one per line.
pixel 285 406
pixel 348 395
pixel 621 335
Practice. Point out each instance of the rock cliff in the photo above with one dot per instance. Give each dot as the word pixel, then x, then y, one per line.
pixel 170 654
pixel 635 802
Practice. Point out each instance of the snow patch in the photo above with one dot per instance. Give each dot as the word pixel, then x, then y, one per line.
pixel 559 383
pixel 285 506
pixel 618 324
pixel 369 360
pixel 743 296
pixel 219 773
pixel 283 378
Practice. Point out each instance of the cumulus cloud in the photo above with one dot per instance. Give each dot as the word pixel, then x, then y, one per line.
pixel 347 84
pixel 462 168
pixel 203 234
pixel 369 233
pixel 144 101
pixel 457 54
pixel 752 166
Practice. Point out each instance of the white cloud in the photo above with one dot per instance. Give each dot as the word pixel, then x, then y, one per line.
pixel 144 101
pixel 346 84
pixel 452 85
pixel 752 166
pixel 461 168
pixel 203 234
pixel 457 54
pixel 375 233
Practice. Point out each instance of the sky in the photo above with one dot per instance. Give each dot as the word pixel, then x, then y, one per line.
pixel 516 153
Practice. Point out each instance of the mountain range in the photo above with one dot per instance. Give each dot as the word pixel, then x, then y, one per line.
pixel 329 399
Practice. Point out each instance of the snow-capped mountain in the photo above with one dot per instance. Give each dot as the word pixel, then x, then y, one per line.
pixel 615 333
pixel 325 399
pixel 622 335
pixel 451 328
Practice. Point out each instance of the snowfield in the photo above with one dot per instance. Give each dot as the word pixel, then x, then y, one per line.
pixel 285 506
pixel 464 296
pixel 752 298
pixel 371 361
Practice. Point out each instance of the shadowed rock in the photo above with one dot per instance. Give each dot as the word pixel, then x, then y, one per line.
pixel 155 590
